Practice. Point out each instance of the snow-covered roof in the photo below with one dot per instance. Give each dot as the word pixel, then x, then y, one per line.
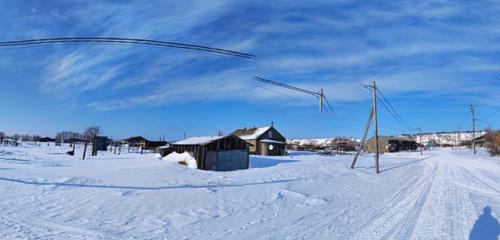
pixel 198 140
pixel 251 133
pixel 271 141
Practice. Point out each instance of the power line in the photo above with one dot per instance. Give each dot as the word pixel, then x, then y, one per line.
pixel 329 105
pixel 286 86
pixel 385 102
pixel 320 95
pixel 117 40
pixel 395 115
pixel 492 114
pixel 286 95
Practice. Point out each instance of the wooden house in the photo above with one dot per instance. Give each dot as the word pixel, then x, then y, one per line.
pixel 392 144
pixel 142 143
pixel 216 153
pixel 265 141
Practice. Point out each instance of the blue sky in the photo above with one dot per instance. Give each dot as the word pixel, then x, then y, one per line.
pixel 431 59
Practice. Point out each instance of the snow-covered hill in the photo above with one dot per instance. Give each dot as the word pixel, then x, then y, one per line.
pixel 450 138
pixel 320 142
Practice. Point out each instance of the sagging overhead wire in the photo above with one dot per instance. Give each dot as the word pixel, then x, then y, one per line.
pixel 133 41
pixel 492 114
pixel 387 105
pixel 286 86
pixel 286 95
pixel 320 95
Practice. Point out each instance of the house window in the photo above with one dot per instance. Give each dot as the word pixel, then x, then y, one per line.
pixel 270 134
pixel 271 147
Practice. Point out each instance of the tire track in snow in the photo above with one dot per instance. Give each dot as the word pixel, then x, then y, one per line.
pixel 480 180
pixel 397 218
pixel 324 222
pixel 448 213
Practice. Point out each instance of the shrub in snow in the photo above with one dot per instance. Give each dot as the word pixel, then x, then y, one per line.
pixel 492 140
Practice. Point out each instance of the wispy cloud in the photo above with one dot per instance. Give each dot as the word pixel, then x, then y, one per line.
pixel 229 84
pixel 407 46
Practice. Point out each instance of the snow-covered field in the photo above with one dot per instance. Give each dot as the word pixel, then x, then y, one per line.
pixel 46 194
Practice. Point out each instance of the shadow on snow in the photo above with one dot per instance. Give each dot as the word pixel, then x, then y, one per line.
pixel 486 227
pixel 259 162
pixel 63 184
pixel 389 167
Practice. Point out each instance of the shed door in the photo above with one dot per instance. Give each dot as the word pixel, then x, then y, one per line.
pixel 264 149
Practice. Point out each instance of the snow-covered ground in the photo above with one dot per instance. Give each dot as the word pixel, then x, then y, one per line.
pixel 46 194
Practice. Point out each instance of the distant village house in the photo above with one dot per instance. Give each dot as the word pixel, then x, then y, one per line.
pixel 392 144
pixel 265 141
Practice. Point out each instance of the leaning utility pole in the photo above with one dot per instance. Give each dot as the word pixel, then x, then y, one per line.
pixel 473 128
pixel 375 127
pixel 363 140
pixel 373 114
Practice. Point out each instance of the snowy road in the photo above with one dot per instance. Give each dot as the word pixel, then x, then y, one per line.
pixel 440 195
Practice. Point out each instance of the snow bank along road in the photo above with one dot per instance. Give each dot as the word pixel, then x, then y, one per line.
pixel 45 194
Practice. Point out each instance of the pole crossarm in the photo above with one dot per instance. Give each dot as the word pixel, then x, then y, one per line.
pixel 117 40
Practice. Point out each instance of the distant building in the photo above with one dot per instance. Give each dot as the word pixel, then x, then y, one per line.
pixel 216 153
pixel 265 141
pixel 141 142
pixel 392 144
pixel 102 143
pixel 47 139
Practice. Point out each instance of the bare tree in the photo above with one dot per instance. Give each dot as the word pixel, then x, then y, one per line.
pixel 2 137
pixel 25 137
pixel 16 137
pixel 36 138
pixel 66 136
pixel 91 135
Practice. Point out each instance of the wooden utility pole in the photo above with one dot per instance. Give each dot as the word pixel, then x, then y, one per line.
pixel 85 149
pixel 363 140
pixel 373 114
pixel 473 128
pixel 94 145
pixel 375 127
pixel 321 96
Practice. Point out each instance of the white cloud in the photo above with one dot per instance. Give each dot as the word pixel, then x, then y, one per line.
pixel 406 46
